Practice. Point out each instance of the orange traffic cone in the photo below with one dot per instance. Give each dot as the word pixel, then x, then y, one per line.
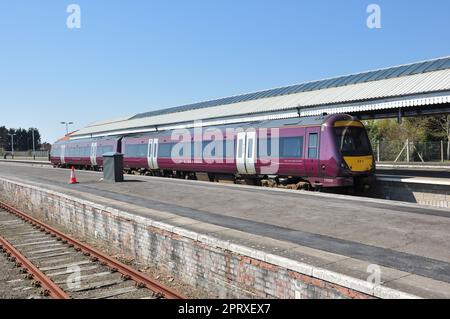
pixel 73 178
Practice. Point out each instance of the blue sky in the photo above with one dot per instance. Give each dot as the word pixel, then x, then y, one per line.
pixel 135 56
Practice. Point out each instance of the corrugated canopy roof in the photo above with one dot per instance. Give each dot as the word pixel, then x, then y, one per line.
pixel 380 74
pixel 398 83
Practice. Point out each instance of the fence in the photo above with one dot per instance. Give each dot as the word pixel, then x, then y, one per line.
pixel 408 151
pixel 24 154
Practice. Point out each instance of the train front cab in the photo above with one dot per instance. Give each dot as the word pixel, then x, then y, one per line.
pixel 356 160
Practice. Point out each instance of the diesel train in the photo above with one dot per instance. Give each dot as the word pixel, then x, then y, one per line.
pixel 322 152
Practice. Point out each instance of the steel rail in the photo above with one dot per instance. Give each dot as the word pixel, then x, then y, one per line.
pixel 38 276
pixel 129 273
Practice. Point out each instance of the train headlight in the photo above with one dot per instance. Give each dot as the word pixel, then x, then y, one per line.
pixel 344 165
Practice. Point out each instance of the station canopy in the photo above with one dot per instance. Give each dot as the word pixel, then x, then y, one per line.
pixel 419 84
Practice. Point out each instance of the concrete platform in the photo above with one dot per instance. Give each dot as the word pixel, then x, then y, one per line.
pixel 334 238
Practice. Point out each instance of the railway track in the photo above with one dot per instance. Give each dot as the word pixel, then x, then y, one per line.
pixel 13 283
pixel 65 268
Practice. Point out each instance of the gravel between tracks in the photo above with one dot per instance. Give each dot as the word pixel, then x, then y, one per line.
pixel 13 284
pixel 77 274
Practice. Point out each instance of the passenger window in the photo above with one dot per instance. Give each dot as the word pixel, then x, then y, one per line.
pixel 312 145
pixel 129 150
pixel 165 150
pixel 150 149
pixel 196 149
pixel 240 148
pixel 291 147
pixel 264 148
pixel 229 148
pixel 250 148
pixel 136 150
pixel 143 150
pixel 181 153
pixel 214 148
pixel 101 150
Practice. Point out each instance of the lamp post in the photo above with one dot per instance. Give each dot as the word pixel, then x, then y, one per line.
pixel 67 126
pixel 34 146
pixel 12 144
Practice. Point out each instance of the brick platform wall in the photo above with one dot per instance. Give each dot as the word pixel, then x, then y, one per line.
pixel 197 260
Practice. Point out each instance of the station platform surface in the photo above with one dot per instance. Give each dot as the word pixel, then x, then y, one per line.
pixel 344 234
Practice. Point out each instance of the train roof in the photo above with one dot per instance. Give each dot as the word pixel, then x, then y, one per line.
pixel 299 121
pixel 69 140
pixel 303 121
pixel 291 122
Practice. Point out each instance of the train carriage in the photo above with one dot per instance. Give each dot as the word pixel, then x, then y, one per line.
pixel 83 153
pixel 322 151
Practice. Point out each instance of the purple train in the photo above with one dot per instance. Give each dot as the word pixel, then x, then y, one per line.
pixel 322 151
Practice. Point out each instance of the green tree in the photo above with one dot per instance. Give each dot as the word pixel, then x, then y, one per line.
pixel 23 139
pixel 3 137
pixel 440 129
pixel 418 130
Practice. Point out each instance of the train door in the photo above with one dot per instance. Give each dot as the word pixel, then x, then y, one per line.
pixel 94 154
pixel 312 153
pixel 250 153
pixel 63 153
pixel 246 152
pixel 152 155
pixel 240 150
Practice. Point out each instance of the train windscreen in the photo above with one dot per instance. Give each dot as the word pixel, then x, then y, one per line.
pixel 353 141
